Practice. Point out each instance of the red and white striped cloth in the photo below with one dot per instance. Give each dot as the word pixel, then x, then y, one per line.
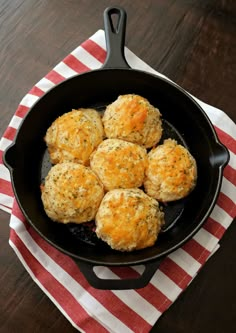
pixel 89 309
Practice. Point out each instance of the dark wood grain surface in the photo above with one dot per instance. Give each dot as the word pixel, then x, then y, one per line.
pixel 191 41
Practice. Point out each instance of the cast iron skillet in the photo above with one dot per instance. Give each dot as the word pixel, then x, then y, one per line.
pixel 184 120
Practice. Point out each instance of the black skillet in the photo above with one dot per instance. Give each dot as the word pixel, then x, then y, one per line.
pixel 28 162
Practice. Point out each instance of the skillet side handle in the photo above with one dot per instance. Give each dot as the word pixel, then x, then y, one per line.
pixel 9 157
pixel 221 155
pixel 119 284
pixel 115 37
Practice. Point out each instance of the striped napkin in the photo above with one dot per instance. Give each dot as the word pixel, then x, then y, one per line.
pixel 89 309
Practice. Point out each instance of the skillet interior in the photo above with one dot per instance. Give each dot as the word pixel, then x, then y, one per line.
pixel 97 89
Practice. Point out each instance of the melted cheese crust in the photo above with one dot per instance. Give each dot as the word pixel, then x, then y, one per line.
pixel 132 118
pixel 171 172
pixel 74 136
pixel 128 219
pixel 71 193
pixel 119 164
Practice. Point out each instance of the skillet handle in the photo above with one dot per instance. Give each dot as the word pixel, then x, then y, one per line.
pixel 220 156
pixel 9 157
pixel 115 37
pixel 119 284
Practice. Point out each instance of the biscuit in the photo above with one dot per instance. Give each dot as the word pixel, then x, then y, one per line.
pixel 71 193
pixel 171 172
pixel 128 219
pixel 132 118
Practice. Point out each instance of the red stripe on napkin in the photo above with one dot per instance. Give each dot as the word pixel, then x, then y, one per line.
pixel 197 251
pixel 152 294
pixel 125 272
pixel 54 77
pixel 95 50
pixel 214 228
pixel 75 64
pixel 227 204
pixel 155 297
pixel 175 272
pixel 226 139
pixel 74 310
pixel 18 213
pixel 10 133
pixel 21 111
pixel 36 91
pixel 230 174
pixel 6 187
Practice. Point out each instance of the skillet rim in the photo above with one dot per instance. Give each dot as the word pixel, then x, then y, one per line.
pixel 133 262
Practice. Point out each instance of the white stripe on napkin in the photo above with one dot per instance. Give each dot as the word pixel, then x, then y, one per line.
pixel 99 38
pixel 86 58
pixel 232 161
pixel 216 115
pixel 6 208
pixel 221 216
pixel 64 70
pixel 5 174
pixel 6 200
pixel 162 282
pixel 44 84
pixel 15 122
pixel 185 261
pixel 4 143
pixel 206 239
pixel 229 189
pixel 29 100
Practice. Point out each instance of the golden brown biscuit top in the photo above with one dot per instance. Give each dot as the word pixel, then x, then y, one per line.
pixel 119 164
pixel 132 113
pixel 74 135
pixel 131 117
pixel 129 219
pixel 174 165
pixel 73 182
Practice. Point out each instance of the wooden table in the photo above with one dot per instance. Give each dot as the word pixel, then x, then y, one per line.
pixel 194 43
